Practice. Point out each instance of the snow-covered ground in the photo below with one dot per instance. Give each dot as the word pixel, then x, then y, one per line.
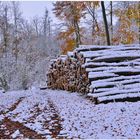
pixel 60 114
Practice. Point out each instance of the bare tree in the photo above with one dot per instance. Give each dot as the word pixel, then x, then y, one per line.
pixel 36 25
pixel 91 10
pixel 27 30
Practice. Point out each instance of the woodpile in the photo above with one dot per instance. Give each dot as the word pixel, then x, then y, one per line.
pixel 104 73
pixel 66 73
pixel 114 72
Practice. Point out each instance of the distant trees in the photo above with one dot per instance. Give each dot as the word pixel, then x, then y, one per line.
pixel 46 24
pixel 25 46
pixel 36 26
pixel 10 24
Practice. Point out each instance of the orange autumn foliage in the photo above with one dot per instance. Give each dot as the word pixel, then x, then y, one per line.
pixel 128 25
pixel 68 40
pixel 70 12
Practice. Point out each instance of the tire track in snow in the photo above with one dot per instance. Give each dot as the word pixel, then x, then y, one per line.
pixel 55 121
pixel 12 126
pixel 51 122
pixel 13 107
pixel 8 127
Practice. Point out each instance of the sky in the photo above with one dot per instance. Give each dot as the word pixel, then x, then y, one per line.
pixel 31 9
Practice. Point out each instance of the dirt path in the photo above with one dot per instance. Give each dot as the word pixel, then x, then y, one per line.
pixel 9 128
pixel 35 114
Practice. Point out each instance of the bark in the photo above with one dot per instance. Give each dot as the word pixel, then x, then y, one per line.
pixel 111 21
pixel 45 22
pixel 105 22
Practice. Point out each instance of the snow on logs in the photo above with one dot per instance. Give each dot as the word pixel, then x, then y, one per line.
pixel 104 73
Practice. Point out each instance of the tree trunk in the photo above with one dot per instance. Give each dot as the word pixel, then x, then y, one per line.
pixel 5 29
pixel 76 27
pixel 15 31
pixel 111 21
pixel 77 33
pixel 45 23
pixel 105 22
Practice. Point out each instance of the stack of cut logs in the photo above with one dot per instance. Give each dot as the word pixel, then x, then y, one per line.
pixel 66 73
pixel 104 73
